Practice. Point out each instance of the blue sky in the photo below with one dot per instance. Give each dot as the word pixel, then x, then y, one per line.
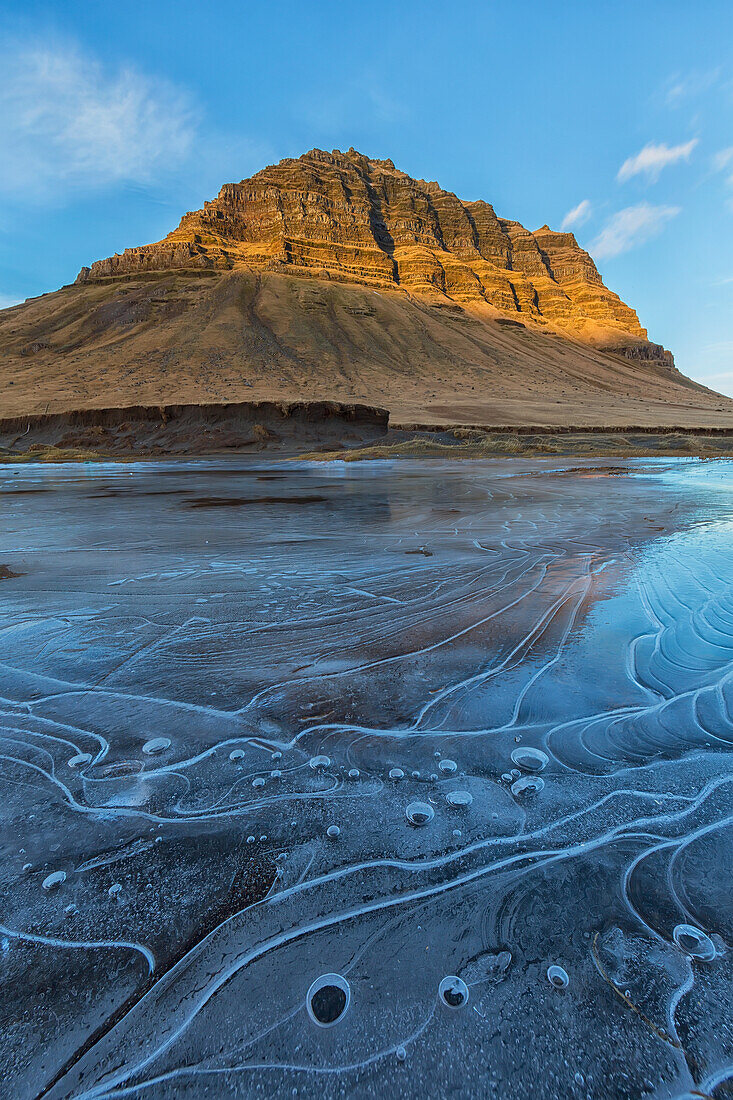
pixel 613 118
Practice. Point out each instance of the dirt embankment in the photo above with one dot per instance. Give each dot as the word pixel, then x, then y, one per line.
pixel 192 429
pixel 319 430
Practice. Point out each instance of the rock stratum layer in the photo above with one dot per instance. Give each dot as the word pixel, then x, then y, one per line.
pixel 342 215
pixel 338 278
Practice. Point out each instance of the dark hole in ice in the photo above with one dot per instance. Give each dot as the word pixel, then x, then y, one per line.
pixel 557 976
pixel 694 942
pixel 327 999
pixel 453 991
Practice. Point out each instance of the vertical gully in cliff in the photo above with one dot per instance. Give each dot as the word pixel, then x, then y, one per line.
pixel 382 236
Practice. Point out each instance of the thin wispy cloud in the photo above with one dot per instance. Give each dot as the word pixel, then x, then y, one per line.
pixel 722 159
pixel 577 216
pixel 683 87
pixel 68 122
pixel 360 98
pixel 652 159
pixel 8 300
pixel 723 162
pixel 630 227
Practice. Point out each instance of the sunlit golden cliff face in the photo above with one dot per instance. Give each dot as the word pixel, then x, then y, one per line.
pixel 346 217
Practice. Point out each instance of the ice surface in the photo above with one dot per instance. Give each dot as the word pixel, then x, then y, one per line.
pixel 272 822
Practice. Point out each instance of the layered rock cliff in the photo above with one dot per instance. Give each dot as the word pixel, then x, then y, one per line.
pixel 343 216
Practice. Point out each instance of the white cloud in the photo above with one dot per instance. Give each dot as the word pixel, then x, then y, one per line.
pixel 65 121
pixel 694 83
pixel 8 300
pixel 653 158
pixel 722 161
pixel 577 216
pixel 631 227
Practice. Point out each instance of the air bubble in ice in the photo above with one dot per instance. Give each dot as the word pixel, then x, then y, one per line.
pixel 459 798
pixel 694 942
pixel 396 773
pixel 447 765
pixel 453 991
pixel 401 1054
pixel 236 754
pixel 327 999
pixel 258 782
pixel 156 745
pixel 276 774
pixel 115 889
pixel 80 759
pixel 419 813
pixel 529 759
pixel 528 784
pixel 317 762
pixel 558 977
pixel 333 832
pixel 354 773
pixel 53 880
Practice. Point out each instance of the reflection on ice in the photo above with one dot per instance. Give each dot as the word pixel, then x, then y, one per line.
pixel 285 777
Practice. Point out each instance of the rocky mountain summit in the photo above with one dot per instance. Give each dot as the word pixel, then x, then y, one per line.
pixel 333 278
pixel 343 216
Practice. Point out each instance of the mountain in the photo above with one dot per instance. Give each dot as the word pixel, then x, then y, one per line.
pixel 337 277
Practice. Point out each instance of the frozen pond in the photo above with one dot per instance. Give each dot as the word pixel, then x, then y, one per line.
pixel 406 779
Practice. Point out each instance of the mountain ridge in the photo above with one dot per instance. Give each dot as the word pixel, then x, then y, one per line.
pixel 336 278
pixel 346 216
